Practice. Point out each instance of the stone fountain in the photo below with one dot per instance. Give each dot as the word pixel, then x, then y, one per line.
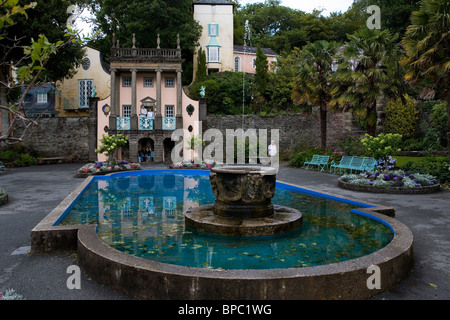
pixel 243 205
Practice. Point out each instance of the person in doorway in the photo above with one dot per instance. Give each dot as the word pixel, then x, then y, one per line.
pixel 143 111
pixel 272 150
pixel 148 153
pixel 141 155
pixel 150 113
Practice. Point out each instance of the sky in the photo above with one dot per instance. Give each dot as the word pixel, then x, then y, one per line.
pixel 309 5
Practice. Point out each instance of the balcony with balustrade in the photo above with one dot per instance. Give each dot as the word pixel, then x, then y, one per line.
pixel 145 123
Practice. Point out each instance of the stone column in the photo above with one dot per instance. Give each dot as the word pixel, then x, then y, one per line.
pixel 158 92
pixel 134 118
pixel 133 147
pixel 93 109
pixel 159 148
pixel 114 109
pixel 179 106
pixel 157 123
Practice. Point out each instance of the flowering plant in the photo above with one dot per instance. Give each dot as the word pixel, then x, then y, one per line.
pixel 398 178
pixel 382 147
pixel 189 165
pixel 111 144
pixel 107 167
pixel 336 155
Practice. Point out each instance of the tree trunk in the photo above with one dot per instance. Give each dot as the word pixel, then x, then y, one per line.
pixel 371 119
pixel 448 123
pixel 323 127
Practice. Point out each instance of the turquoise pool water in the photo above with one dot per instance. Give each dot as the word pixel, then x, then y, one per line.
pixel 141 214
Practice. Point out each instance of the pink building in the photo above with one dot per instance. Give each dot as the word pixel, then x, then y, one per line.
pixel 147 101
pixel 245 57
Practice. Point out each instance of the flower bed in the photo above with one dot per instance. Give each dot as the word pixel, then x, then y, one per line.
pixel 391 182
pixel 101 168
pixel 3 197
pixel 205 165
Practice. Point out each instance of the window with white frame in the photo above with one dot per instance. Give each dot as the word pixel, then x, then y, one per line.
pixel 213 30
pixel 169 111
pixel 148 82
pixel 42 97
pixel 126 110
pixel 126 82
pixel 84 92
pixel 237 64
pixel 213 54
pixel 170 82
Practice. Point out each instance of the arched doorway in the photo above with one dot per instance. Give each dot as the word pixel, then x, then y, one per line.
pixel 146 150
pixel 168 146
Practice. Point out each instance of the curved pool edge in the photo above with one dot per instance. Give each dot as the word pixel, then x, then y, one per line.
pixel 146 279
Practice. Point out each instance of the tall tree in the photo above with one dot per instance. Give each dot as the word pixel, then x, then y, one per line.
pixel 427 45
pixel 146 19
pixel 369 71
pixel 314 78
pixel 29 61
pixel 262 72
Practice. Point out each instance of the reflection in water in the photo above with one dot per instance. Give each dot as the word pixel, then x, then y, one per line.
pixel 143 215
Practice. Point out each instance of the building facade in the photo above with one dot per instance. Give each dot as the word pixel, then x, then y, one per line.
pixel 147 101
pixel 91 78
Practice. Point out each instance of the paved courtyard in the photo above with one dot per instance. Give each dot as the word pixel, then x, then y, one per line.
pixel 34 191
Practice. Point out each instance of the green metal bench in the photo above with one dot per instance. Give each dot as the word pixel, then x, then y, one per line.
pixel 317 160
pixel 369 164
pixel 353 164
pixel 345 163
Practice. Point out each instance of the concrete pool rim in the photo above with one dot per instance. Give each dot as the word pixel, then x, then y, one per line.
pixel 146 279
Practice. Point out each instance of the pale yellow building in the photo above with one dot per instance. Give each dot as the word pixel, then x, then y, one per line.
pixel 216 18
pixel 92 77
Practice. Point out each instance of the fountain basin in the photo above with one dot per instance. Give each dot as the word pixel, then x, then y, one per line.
pixel 243 204
pixel 149 279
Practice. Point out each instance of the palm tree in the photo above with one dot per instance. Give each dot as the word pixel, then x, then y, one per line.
pixel 369 70
pixel 427 46
pixel 313 80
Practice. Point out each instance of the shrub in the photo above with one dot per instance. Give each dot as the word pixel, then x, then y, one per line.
pixel 24 160
pixel 298 159
pixel 111 144
pixel 383 146
pixel 437 166
pixel 401 117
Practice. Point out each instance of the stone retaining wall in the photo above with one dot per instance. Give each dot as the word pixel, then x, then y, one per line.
pixel 61 137
pixel 293 127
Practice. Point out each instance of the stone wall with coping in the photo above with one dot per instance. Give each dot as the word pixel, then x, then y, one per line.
pixel 294 128
pixel 61 137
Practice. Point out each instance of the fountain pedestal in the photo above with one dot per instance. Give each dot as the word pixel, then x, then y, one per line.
pixel 243 205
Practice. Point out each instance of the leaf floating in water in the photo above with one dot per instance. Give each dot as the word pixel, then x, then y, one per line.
pixel 196 246
pixel 232 258
pixel 432 285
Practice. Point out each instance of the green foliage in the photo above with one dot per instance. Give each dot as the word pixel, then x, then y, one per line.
pixel 299 159
pixel 431 131
pixel 262 75
pixel 382 146
pixel 111 143
pixel 436 166
pixel 24 160
pixel 369 70
pixel 352 147
pixel 201 73
pixel 18 156
pixel 401 117
pixel 224 92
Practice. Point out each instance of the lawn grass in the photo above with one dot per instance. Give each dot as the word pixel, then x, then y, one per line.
pixel 402 160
